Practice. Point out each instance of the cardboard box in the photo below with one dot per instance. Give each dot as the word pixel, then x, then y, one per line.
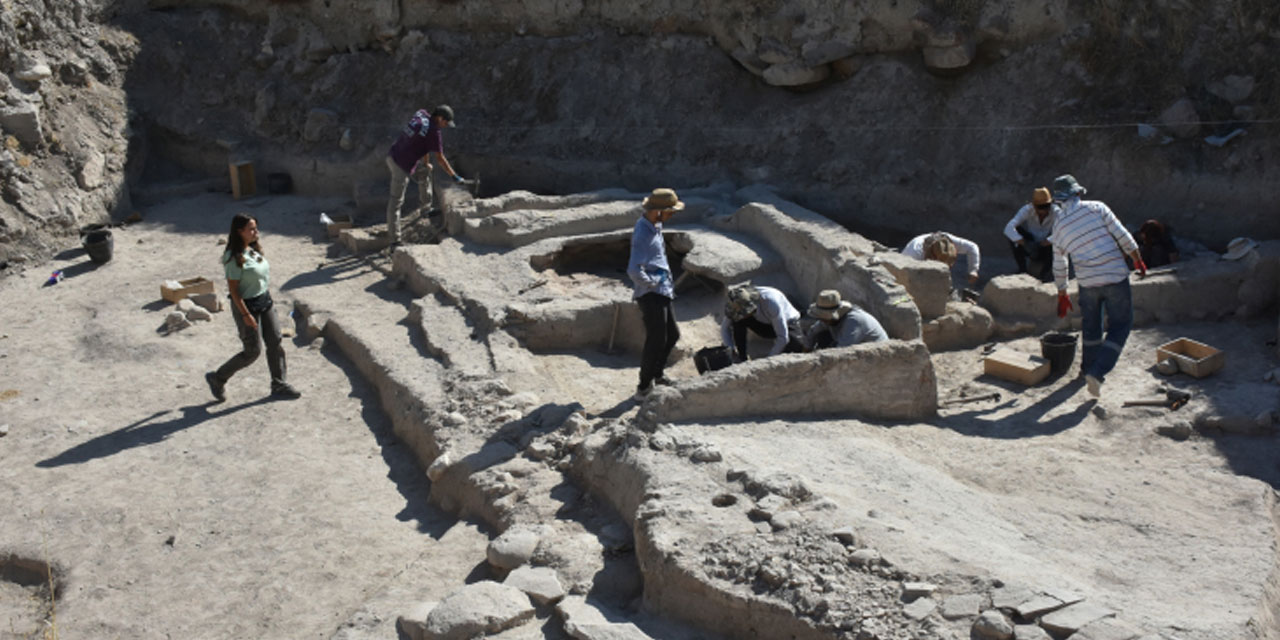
pixel 340 221
pixel 1194 358
pixel 185 288
pixel 1016 366
pixel 242 181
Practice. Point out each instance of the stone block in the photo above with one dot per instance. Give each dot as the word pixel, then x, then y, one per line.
pixel 956 56
pixel 1023 296
pixel 1067 621
pixel 23 121
pixel 726 258
pixel 964 325
pixel 928 281
pixel 961 606
pixel 413 623
pixel 477 609
pixel 1107 629
pixel 920 608
pixel 992 625
pixel 513 548
pixel 540 583
pixel 1030 632
pixel 321 124
pixel 810 384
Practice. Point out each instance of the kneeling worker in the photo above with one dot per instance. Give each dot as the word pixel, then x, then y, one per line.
pixel 842 323
pixel 945 248
pixel 1028 233
pixel 768 313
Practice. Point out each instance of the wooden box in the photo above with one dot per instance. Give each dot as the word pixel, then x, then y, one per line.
pixel 242 182
pixel 1016 366
pixel 185 288
pixel 340 221
pixel 1194 358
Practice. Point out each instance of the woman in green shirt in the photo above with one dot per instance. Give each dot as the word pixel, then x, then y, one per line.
pixel 248 277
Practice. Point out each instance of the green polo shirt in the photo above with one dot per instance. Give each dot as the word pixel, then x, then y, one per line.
pixel 254 276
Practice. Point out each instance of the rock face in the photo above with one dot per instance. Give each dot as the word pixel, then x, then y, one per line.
pixel 477 609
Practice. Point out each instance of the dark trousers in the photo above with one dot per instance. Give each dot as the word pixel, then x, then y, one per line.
pixel 1032 249
pixel 252 347
pixel 660 336
pixel 795 341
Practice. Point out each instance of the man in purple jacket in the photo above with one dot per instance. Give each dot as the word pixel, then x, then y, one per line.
pixel 412 155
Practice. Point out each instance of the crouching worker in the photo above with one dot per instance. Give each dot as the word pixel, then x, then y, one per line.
pixel 945 248
pixel 840 323
pixel 767 313
pixel 654 289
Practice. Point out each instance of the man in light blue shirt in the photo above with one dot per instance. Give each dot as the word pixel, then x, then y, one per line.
pixel 650 274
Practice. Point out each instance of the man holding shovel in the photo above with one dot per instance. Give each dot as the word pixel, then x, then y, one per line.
pixel 1087 232
pixel 654 288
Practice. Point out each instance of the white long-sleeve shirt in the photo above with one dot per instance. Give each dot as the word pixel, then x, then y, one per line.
pixel 969 249
pixel 1027 219
pixel 775 310
pixel 1088 232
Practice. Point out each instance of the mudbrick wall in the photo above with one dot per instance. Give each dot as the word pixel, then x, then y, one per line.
pixel 889 117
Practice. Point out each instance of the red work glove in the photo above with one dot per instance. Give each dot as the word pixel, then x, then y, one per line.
pixel 1064 304
pixel 1141 267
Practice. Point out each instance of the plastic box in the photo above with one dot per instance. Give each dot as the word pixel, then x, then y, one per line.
pixel 186 288
pixel 1196 359
pixel 1016 366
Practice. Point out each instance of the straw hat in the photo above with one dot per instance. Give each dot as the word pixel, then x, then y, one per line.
pixel 1041 196
pixel 662 199
pixel 829 306
pixel 1238 248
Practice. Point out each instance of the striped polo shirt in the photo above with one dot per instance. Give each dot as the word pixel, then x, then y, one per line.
pixel 1091 234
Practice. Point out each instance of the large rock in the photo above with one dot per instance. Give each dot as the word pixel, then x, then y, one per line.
pixel 1067 621
pixel 321 124
pixel 90 174
pixel 1181 119
pixel 928 281
pixel 540 583
pixel 1107 629
pixel 963 325
pixel 477 609
pixel 1233 89
pixel 949 57
pixel 23 121
pixel 795 74
pixel 992 625
pixel 513 548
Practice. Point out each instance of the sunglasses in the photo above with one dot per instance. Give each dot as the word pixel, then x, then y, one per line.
pixel 1044 206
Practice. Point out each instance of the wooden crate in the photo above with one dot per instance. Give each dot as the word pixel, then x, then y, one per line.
pixel 1016 366
pixel 242 181
pixel 1196 359
pixel 185 288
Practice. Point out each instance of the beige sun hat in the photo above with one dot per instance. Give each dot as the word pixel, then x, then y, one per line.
pixel 1238 248
pixel 829 306
pixel 662 199
pixel 1041 196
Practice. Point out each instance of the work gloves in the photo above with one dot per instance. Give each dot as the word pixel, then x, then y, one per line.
pixel 458 179
pixel 1140 267
pixel 1064 303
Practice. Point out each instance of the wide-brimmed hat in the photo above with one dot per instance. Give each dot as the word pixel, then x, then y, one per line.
pixel 1065 186
pixel 444 111
pixel 662 199
pixel 1041 196
pixel 1238 248
pixel 742 302
pixel 829 306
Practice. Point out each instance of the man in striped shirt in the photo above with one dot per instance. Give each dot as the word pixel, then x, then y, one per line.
pixel 1089 233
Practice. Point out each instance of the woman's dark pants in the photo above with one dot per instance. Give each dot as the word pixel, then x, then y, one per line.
pixel 252 347
pixel 660 336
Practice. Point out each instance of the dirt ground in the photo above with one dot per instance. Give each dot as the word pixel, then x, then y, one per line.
pixel 171 516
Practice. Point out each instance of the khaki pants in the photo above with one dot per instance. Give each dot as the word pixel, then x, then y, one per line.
pixel 395 199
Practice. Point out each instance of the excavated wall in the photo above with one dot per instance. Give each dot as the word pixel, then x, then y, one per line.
pixel 879 115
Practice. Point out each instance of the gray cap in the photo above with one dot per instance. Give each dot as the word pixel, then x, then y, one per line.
pixel 1065 186
pixel 444 111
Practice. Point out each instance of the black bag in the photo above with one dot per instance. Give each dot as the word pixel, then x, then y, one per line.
pixel 712 359
pixel 258 305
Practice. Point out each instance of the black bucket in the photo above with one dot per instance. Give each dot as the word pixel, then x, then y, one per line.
pixel 90 228
pixel 1059 349
pixel 712 359
pixel 99 245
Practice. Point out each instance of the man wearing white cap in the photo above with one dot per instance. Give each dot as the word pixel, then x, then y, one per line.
pixel 1090 235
